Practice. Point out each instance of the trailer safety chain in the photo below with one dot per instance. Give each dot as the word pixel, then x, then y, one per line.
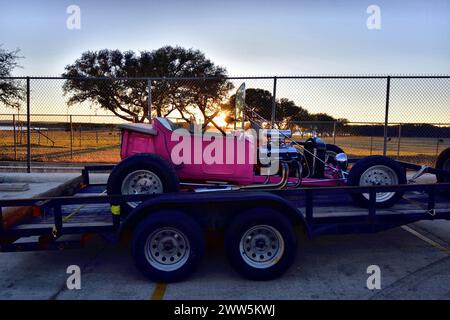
pixel 55 231
pixel 66 218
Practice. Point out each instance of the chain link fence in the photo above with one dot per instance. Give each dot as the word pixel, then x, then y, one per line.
pixel 76 119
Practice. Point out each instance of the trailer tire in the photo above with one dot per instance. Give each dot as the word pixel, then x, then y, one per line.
pixel 443 163
pixel 262 229
pixel 377 170
pixel 168 246
pixel 154 168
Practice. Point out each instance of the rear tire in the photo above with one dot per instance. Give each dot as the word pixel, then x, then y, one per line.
pixel 168 246
pixel 377 170
pixel 142 174
pixel 260 244
pixel 443 163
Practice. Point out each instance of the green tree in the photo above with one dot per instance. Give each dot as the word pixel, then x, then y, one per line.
pixel 322 117
pixel 256 100
pixel 11 92
pixel 288 111
pixel 128 99
pixel 260 101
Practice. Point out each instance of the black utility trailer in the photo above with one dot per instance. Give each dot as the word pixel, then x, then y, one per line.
pixel 167 229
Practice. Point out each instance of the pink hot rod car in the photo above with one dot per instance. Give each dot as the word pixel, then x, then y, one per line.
pixel 148 164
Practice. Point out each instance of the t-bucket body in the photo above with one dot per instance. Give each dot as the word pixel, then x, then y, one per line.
pixel 202 157
pixel 192 153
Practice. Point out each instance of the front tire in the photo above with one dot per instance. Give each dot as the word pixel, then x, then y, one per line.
pixel 168 246
pixel 260 244
pixel 377 170
pixel 142 174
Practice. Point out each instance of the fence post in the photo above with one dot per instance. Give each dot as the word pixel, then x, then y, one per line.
pixel 399 139
pixel 386 115
pixel 274 101
pixel 15 138
pixel 28 127
pixel 438 140
pixel 149 101
pixel 334 132
pixel 371 143
pixel 71 137
pixel 79 141
pixel 19 127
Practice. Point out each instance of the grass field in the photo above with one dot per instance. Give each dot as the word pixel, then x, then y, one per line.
pixel 104 145
pixel 416 150
pixel 61 145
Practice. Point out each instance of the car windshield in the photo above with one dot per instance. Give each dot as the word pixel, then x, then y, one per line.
pixel 178 123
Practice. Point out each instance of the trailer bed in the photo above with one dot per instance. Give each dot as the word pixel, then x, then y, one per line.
pixel 333 204
pixel 339 204
pixel 87 214
pixel 324 210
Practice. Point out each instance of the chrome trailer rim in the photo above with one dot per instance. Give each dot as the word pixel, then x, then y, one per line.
pixel 261 246
pixel 141 182
pixel 167 249
pixel 379 176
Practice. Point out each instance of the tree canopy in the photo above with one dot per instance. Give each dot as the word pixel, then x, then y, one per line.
pixel 128 99
pixel 11 92
pixel 286 111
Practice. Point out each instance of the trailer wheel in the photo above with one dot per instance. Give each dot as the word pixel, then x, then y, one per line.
pixel 260 244
pixel 377 170
pixel 142 174
pixel 443 163
pixel 168 246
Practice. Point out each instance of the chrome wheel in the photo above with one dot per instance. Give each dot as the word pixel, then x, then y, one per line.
pixel 261 246
pixel 167 249
pixel 141 182
pixel 379 176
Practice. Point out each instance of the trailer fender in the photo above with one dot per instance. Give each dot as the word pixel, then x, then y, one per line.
pixel 191 202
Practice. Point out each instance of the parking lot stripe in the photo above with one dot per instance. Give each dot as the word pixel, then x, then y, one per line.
pixel 158 293
pixel 427 240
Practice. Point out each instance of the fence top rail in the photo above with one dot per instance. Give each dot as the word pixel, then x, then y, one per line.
pixel 233 77
pixel 292 122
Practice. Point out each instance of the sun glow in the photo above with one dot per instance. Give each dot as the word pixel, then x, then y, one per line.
pixel 221 118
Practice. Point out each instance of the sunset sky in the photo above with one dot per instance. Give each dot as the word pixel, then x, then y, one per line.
pixel 247 37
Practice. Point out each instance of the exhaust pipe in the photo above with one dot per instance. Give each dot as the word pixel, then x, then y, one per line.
pixel 265 185
pixel 280 185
